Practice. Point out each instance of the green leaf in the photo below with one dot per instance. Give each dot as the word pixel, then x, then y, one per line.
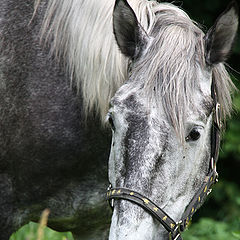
pixel 236 234
pixel 29 232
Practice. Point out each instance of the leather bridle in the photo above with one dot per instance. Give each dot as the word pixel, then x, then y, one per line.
pixel 175 228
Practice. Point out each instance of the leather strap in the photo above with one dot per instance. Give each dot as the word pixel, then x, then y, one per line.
pixel 169 224
pixel 122 193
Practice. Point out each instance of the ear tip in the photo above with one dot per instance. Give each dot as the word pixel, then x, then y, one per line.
pixel 121 1
pixel 117 2
pixel 234 5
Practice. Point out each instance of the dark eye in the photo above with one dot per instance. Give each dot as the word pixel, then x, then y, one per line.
pixel 194 135
pixel 110 121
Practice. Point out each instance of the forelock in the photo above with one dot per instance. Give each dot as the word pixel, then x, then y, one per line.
pixel 171 63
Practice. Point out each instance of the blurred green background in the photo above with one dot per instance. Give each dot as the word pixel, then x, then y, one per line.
pixel 219 218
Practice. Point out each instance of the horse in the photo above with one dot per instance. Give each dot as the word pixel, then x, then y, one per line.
pixel 61 64
pixel 166 119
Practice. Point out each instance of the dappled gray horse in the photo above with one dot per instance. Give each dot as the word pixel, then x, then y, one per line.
pixel 60 65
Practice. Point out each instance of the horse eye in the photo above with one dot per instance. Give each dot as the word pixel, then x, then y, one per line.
pixel 110 121
pixel 194 135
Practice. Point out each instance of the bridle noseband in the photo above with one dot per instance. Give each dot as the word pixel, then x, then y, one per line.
pixel 175 228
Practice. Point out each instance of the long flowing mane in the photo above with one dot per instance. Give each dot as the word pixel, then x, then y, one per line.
pixel 81 33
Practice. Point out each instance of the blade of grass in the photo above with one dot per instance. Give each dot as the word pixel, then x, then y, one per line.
pixel 42 224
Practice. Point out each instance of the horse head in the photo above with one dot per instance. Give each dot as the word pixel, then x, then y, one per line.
pixel 162 117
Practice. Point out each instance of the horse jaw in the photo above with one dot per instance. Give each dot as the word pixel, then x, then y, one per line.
pixel 129 228
pixel 136 223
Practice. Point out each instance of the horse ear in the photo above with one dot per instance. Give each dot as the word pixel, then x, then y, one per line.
pixel 220 38
pixel 128 32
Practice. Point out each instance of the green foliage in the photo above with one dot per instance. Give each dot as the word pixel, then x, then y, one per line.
pixel 231 144
pixel 29 232
pixel 225 202
pixel 236 235
pixel 210 229
pixel 219 217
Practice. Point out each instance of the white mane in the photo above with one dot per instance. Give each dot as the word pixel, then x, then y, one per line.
pixel 81 33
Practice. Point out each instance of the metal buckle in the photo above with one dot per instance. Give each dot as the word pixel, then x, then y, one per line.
pixel 109 187
pixel 170 236
pixel 209 191
pixel 216 178
pixel 178 228
pixel 111 201
pixel 214 168
pixel 218 114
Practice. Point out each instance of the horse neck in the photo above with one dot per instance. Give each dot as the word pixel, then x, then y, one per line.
pixel 86 42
